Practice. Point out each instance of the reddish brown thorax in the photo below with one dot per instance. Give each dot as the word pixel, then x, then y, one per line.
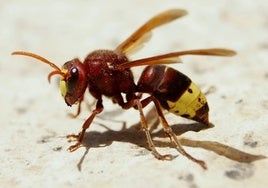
pixel 103 78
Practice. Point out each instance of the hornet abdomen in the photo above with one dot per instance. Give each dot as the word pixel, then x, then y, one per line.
pixel 175 92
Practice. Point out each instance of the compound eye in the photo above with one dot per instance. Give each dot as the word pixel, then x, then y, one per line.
pixel 72 81
pixel 74 73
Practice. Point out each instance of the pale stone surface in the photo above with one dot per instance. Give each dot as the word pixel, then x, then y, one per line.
pixel 33 115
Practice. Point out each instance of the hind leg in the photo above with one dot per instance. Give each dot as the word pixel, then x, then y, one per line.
pixel 172 135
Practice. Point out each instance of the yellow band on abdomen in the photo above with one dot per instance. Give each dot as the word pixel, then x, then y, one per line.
pixel 187 105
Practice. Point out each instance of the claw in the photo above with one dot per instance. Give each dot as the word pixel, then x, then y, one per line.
pixel 202 164
pixel 168 157
pixel 74 147
pixel 72 137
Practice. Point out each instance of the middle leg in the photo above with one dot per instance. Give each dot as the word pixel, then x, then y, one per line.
pixel 134 101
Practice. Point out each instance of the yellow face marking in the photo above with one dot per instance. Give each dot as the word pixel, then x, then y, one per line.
pixel 63 86
pixel 191 100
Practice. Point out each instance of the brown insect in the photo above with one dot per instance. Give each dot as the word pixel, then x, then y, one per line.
pixel 107 73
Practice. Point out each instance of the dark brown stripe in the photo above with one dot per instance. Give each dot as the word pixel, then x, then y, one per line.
pixel 172 86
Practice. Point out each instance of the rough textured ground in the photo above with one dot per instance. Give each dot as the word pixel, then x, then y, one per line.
pixel 34 119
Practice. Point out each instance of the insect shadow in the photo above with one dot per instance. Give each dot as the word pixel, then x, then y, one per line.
pixel 133 134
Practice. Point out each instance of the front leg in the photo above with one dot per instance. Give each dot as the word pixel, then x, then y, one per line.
pixel 78 109
pixel 87 123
